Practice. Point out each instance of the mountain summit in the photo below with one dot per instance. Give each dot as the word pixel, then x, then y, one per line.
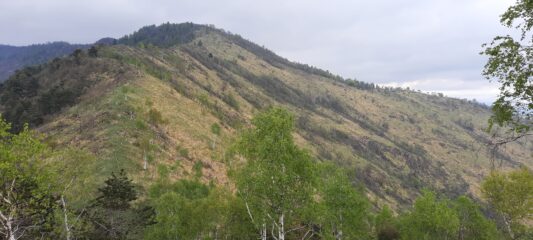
pixel 174 96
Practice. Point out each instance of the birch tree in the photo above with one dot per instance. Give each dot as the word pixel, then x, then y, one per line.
pixel 277 180
pixel 344 212
pixel 511 196
pixel 430 218
pixel 26 200
pixel 473 225
pixel 510 63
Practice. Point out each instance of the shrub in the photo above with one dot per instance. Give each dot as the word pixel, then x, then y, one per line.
pixel 139 124
pixel 184 152
pixel 215 129
pixel 230 100
pixel 197 168
pixel 155 116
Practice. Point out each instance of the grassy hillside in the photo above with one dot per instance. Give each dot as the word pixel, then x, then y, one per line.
pixel 153 104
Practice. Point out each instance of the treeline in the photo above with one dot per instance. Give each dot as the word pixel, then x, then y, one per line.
pixel 278 191
pixel 164 35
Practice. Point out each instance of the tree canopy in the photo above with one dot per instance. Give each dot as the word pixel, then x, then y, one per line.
pixel 510 63
pixel 511 196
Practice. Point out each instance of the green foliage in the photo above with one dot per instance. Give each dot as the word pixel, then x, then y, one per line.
pixel 112 215
pixel 344 210
pixel 191 210
pixel 430 219
pixel 117 193
pixel 163 172
pixel 215 129
pixel 164 35
pixel 27 197
pixel 473 224
pixel 510 196
pixel 175 218
pixel 155 117
pixel 277 180
pixel 185 188
pixel 360 85
pixel 92 52
pixel 139 124
pixel 386 225
pixel 25 99
pixel 184 152
pixel 142 63
pixel 197 168
pixel 204 100
pixel 510 64
pixel 53 100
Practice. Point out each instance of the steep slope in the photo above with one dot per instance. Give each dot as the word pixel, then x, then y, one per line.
pixel 149 105
pixel 13 58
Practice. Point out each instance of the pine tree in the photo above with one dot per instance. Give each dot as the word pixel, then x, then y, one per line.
pixel 112 215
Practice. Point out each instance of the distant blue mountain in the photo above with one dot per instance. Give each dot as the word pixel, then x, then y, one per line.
pixel 13 57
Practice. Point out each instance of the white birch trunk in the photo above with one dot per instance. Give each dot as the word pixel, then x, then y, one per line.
pixel 338 236
pixel 7 223
pixel 264 232
pixel 338 231
pixel 145 165
pixel 65 218
pixel 9 229
pixel 281 227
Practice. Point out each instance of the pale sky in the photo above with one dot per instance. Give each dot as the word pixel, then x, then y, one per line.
pixel 430 45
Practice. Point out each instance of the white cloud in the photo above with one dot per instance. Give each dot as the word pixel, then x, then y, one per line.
pixel 457 88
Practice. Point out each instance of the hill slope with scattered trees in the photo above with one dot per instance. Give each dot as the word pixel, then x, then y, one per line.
pixel 201 120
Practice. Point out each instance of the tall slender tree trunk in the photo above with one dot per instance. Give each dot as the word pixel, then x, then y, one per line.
pixel 338 230
pixel 264 232
pixel 281 227
pixel 10 230
pixel 65 218
pixel 7 223
pixel 338 234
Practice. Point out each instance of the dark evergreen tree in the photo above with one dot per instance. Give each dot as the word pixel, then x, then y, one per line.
pixel 112 214
pixel 93 52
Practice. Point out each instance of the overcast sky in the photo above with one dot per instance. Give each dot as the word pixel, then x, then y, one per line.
pixel 431 45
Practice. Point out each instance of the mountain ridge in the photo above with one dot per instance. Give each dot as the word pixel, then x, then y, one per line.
pixel 146 107
pixel 13 58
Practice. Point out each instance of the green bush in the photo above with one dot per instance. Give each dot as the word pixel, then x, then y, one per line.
pixel 197 168
pixel 155 117
pixel 139 124
pixel 215 129
pixel 184 152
